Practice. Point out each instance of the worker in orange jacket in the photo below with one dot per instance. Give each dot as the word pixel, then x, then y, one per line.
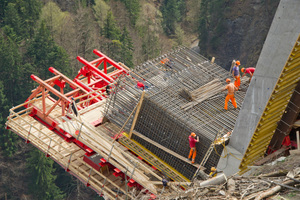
pixel 230 95
pixel 192 141
pixel 236 74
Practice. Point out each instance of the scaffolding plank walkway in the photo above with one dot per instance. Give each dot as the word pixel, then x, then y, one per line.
pixel 68 155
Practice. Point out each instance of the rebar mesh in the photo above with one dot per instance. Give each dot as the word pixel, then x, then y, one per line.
pixel 161 118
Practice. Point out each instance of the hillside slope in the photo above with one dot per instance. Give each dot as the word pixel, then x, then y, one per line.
pixel 235 29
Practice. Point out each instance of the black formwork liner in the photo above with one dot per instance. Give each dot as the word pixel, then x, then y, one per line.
pixel 162 127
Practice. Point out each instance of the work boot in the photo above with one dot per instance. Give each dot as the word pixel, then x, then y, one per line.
pixel 193 161
pixel 188 159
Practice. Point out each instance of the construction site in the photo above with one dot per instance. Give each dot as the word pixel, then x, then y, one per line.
pixel 124 131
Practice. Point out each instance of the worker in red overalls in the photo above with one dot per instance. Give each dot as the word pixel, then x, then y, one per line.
pixel 192 141
pixel 230 95
pixel 140 85
pixel 249 70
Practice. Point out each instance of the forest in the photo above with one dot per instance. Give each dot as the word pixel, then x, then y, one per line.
pixel 38 34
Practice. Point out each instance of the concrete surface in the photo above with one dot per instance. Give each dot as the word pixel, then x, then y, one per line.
pixel 281 38
pixel 230 164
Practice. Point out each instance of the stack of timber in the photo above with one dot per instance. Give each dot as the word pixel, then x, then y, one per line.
pixel 202 93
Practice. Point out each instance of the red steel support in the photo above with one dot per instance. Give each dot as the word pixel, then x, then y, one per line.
pixel 106 78
pixel 110 61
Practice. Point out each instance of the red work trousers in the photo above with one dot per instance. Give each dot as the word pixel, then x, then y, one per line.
pixel 193 153
pixel 231 97
pixel 237 81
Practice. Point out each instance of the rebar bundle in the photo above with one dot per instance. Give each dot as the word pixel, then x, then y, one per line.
pixel 162 118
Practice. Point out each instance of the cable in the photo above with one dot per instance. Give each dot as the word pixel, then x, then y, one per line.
pixel 225 152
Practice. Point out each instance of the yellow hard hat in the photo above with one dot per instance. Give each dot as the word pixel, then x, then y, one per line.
pixel 213 169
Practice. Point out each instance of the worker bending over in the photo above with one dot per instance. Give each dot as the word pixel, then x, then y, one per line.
pixel 231 88
pixel 140 85
pixel 192 141
pixel 249 70
pixel 236 74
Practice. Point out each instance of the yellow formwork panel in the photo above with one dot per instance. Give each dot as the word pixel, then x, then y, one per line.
pixel 167 169
pixel 274 110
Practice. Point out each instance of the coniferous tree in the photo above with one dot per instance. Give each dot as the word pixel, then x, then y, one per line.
pixel 127 48
pixel 7 139
pixel 43 53
pixel 12 21
pixel 10 66
pixel 133 7
pixel 42 177
pixel 211 20
pixel 172 11
pixel 3 4
pixel 112 33
pixel 150 43
pixel 29 12
pixel 20 16
pixel 111 29
pixel 100 11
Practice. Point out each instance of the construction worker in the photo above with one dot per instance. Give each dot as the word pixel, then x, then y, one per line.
pixel 140 85
pixel 107 89
pixel 230 95
pixel 213 172
pixel 249 70
pixel 236 74
pixel 192 141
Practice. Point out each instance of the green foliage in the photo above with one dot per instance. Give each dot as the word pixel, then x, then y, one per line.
pixel 100 11
pixel 87 3
pixel 133 7
pixel 127 48
pixel 11 67
pixel 212 20
pixel 12 22
pixel 54 18
pixel 42 178
pixel 43 53
pixel 179 35
pixel 172 11
pixel 111 29
pixel 20 16
pixel 3 4
pixel 150 43
pixel 7 139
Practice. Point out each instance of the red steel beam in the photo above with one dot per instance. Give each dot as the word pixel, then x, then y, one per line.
pixel 71 83
pixel 105 77
pixel 110 61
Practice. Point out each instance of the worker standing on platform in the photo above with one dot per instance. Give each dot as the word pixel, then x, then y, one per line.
pixel 236 74
pixel 230 95
pixel 192 141
pixel 249 70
